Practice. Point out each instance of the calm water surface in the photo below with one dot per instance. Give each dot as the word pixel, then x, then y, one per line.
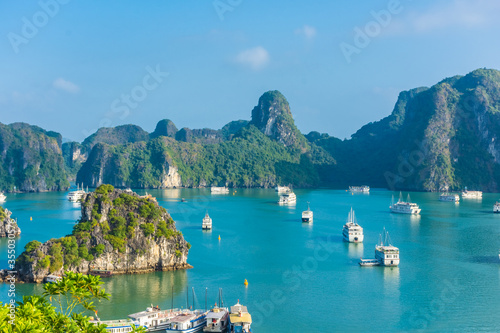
pixel 302 277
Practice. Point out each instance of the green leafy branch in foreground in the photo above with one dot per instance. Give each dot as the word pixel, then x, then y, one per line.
pixel 74 290
pixel 37 313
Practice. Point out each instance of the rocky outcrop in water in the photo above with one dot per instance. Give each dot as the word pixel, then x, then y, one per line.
pixel 119 231
pixel 8 226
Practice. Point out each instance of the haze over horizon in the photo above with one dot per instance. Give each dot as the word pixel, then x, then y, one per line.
pixel 72 67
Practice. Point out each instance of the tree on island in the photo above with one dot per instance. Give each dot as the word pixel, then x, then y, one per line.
pixel 56 309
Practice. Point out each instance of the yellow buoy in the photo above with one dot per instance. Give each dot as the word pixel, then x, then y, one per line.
pixel 246 282
pixel 31 218
pixel 219 237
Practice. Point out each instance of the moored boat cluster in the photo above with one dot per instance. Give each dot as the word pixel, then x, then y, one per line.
pixel 218 319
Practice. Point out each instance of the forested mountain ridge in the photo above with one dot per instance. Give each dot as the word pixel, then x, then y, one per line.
pixel 438 138
pixel 31 159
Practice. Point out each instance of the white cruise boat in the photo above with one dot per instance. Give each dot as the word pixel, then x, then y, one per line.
pixel 496 207
pixel 117 326
pixel 219 190
pixel 352 231
pixel 76 196
pixel 282 189
pixel 187 322
pixel 207 222
pixel 359 189
pixel 154 319
pixel 239 319
pixel 403 207
pixel 3 197
pixel 385 253
pixel 288 198
pixel 449 197
pixel 472 194
pixel 217 320
pixel 307 215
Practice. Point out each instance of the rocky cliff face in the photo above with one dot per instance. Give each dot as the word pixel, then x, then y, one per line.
pixel 136 165
pixel 74 155
pixel 436 139
pixel 118 231
pixel 8 226
pixel 31 159
pixel 257 153
pixel 272 116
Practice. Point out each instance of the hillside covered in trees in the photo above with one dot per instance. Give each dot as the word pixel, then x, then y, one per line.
pixel 439 138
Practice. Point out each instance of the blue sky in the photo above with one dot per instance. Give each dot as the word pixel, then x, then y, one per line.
pixel 72 66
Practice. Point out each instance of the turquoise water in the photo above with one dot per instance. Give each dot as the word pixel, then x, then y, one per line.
pixel 302 277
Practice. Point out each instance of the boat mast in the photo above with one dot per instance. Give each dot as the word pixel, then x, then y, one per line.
pixel 187 297
pixel 221 298
pixel 206 307
pixel 192 288
pixel 388 238
pixel 172 298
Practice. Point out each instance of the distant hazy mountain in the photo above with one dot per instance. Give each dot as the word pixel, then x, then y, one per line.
pixel 440 138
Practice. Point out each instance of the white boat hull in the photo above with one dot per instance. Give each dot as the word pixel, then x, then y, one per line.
pixel 413 211
pixel 449 198
pixel 353 238
pixel 198 328
pixel 472 195
pixel 369 262
pixel 307 216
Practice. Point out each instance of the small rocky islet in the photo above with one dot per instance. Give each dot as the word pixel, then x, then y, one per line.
pixel 8 226
pixel 119 231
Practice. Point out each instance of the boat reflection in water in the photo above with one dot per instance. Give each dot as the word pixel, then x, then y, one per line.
pixel 171 193
pixel 355 250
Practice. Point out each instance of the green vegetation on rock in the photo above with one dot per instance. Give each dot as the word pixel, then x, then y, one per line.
pixel 31 159
pixel 440 138
pixel 113 223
